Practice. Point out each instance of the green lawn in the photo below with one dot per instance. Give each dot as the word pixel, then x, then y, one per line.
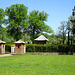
pixel 37 65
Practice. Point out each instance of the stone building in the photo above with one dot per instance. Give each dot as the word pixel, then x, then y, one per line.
pixel 20 48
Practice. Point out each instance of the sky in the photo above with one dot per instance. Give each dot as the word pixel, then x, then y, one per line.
pixel 57 10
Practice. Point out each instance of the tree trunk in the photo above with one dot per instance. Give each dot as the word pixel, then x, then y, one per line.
pixel 68 38
pixel 71 39
pixel 2 36
pixel 74 39
pixel 63 38
pixel 17 38
pixel 24 38
pixel 33 33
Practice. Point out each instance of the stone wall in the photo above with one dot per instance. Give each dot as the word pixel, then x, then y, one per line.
pixel 19 51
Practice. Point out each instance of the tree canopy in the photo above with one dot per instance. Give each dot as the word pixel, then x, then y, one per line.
pixel 17 19
pixel 2 15
pixel 37 23
pixel 72 19
pixel 2 21
pixel 19 23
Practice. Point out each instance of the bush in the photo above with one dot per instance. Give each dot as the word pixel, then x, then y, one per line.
pixel 50 48
pixel 54 48
pixel 30 48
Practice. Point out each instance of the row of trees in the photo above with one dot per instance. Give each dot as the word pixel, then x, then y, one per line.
pixel 65 29
pixel 19 23
pixel 68 27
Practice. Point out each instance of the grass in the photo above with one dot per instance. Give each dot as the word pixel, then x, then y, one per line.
pixel 37 65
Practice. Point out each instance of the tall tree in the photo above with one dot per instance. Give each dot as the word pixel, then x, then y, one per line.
pixel 72 19
pixel 2 15
pixel 62 29
pixel 17 19
pixel 69 29
pixel 37 24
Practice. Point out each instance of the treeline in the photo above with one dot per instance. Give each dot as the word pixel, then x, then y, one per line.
pixel 68 27
pixel 18 24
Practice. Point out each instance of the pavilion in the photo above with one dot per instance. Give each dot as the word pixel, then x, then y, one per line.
pixel 41 40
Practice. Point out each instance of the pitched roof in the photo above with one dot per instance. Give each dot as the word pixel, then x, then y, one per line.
pixel 2 41
pixel 41 38
pixel 19 41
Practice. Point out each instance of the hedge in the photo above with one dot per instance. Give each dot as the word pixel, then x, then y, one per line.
pixel 50 48
pixel 45 48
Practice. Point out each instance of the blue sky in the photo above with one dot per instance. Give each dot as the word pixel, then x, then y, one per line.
pixel 58 10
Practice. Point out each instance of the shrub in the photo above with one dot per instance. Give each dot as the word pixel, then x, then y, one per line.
pixel 50 48
pixel 30 48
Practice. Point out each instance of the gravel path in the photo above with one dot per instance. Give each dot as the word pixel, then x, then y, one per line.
pixel 5 55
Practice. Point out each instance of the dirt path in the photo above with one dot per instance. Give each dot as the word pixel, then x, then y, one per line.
pixel 5 55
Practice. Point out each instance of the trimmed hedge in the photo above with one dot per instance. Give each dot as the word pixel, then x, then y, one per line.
pixel 45 48
pixel 50 48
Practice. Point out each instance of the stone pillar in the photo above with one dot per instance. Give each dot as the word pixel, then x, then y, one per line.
pixel 12 49
pixel 24 49
pixel 2 47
